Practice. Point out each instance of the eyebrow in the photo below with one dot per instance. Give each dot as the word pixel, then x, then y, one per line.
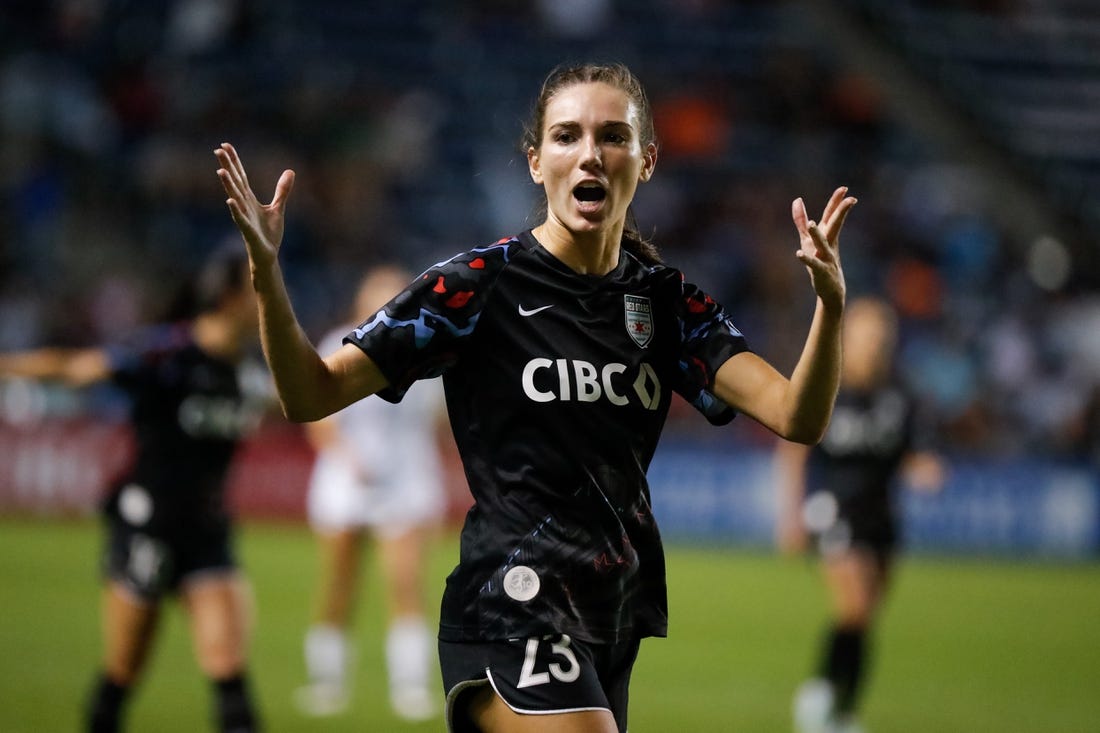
pixel 604 124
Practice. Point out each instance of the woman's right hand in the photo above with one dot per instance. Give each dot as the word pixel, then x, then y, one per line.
pixel 261 225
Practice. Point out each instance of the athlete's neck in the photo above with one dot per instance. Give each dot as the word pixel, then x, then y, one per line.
pixel 586 253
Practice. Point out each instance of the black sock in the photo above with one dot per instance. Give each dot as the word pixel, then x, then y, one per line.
pixel 234 707
pixel 842 665
pixel 105 705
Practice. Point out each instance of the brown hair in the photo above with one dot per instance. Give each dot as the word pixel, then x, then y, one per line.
pixel 620 77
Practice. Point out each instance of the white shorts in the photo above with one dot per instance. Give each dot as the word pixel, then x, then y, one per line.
pixel 338 499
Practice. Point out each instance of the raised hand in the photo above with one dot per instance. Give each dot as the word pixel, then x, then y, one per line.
pixel 819 246
pixel 260 224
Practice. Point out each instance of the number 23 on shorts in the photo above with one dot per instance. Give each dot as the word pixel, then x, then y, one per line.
pixel 564 668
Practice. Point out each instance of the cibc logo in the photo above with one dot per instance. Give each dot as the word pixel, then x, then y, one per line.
pixel 581 381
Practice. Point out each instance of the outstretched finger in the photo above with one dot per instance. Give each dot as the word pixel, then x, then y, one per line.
pixel 823 248
pixel 235 160
pixel 232 161
pixel 798 214
pixel 230 184
pixel 834 202
pixel 241 220
pixel 837 222
pixel 235 212
pixel 230 175
pixel 282 190
pixel 224 160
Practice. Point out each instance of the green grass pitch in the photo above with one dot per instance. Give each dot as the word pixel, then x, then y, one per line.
pixel 963 645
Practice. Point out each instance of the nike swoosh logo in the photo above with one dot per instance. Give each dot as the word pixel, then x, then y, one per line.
pixel 524 312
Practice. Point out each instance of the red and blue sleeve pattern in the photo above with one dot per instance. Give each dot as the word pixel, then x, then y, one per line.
pixel 707 339
pixel 424 329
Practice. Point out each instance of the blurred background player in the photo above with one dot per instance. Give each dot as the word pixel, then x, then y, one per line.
pixel 839 494
pixel 168 528
pixel 378 471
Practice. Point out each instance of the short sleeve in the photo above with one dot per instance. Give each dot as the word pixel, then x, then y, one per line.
pixel 424 329
pixel 708 339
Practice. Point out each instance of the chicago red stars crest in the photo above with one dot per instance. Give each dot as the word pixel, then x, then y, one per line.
pixel 639 319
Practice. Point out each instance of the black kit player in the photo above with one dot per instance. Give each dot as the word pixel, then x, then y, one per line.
pixel 839 494
pixel 560 349
pixel 168 530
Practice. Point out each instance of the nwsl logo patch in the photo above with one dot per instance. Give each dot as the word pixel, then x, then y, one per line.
pixel 639 319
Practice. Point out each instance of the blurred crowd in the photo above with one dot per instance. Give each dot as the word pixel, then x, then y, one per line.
pixel 402 121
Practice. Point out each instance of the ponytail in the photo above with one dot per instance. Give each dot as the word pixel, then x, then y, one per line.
pixel 637 245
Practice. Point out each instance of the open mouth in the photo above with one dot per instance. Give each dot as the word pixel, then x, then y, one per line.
pixel 589 193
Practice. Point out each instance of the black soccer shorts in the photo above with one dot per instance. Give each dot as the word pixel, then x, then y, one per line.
pixel 541 675
pixel 150 565
pixel 839 525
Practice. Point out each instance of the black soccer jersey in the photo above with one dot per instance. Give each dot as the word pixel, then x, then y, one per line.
pixel 558 385
pixel 857 459
pixel 188 413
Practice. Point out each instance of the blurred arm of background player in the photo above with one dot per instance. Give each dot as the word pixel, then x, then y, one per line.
pixel 74 367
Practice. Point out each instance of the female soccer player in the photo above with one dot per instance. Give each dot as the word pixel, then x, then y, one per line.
pixel 378 472
pixel 840 494
pixel 559 348
pixel 167 525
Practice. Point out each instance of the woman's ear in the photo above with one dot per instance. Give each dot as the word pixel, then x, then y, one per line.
pixel 649 162
pixel 533 165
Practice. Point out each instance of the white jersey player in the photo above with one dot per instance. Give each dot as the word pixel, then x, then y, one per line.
pixel 377 474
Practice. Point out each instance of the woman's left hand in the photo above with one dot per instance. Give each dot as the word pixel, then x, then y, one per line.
pixel 819 246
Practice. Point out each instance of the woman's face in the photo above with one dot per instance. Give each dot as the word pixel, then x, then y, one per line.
pixel 590 159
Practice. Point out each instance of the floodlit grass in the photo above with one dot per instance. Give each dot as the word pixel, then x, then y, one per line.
pixel 964 645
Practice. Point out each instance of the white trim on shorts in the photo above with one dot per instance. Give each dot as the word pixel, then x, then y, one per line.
pixel 521 711
pixel 454 693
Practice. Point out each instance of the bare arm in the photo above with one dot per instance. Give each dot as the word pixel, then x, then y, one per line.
pixel 308 386
pixel 75 367
pixel 799 408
